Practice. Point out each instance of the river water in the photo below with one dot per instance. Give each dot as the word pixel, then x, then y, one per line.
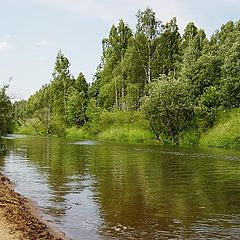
pixel 101 190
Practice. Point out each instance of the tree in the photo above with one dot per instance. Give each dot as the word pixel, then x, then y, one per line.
pixel 141 61
pixel 76 108
pixel 148 25
pixel 230 76
pixel 6 112
pixel 145 44
pixel 189 34
pixel 81 84
pixel 77 102
pixel 60 85
pixel 111 79
pixel 168 108
pixel 20 111
pixel 169 45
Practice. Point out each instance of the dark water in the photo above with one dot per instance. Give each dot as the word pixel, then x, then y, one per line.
pixel 95 190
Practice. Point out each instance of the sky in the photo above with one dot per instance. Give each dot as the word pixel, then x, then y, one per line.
pixel 33 31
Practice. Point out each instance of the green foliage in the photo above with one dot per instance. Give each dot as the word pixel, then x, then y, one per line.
pixel 106 119
pixel 6 112
pixel 126 134
pixel 169 52
pixel 81 84
pixel 20 110
pixel 168 108
pixel 110 76
pixel 76 108
pixel 119 126
pixel 32 126
pixel 189 34
pixel 61 85
pixel 180 82
pixel 147 24
pixel 35 126
pixel 226 132
pixel 231 73
pixel 190 138
pixel 77 133
pixel 25 130
pixel 77 101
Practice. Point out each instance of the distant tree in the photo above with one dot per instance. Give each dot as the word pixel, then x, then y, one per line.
pixel 6 112
pixel 112 83
pixel 61 83
pixel 169 45
pixel 77 102
pixel 20 110
pixel 148 29
pixel 189 34
pixel 81 84
pixel 148 25
pixel 230 76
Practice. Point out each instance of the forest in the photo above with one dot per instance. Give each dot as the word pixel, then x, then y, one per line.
pixel 152 85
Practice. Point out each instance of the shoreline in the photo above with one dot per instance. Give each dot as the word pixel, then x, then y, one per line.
pixel 21 218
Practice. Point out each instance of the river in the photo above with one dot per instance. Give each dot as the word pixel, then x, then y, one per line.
pixel 102 190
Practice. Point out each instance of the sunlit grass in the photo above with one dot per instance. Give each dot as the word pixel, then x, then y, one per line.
pixel 77 133
pixel 226 132
pixel 125 134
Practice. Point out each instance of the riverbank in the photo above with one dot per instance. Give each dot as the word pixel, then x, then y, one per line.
pixel 132 127
pixel 20 218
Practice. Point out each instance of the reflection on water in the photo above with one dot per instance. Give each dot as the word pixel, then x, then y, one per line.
pixel 86 143
pixel 122 191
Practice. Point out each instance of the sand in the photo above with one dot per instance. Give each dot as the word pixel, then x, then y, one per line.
pixel 19 218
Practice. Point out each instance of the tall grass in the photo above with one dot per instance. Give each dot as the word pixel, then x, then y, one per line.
pixel 126 134
pixel 25 130
pixel 77 133
pixel 225 133
pixel 124 126
pixel 190 138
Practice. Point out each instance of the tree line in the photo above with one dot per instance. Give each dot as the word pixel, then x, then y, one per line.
pixel 179 83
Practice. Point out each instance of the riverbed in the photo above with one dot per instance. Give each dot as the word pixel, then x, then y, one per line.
pixel 102 190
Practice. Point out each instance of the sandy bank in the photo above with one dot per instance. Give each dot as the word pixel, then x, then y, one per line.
pixel 19 219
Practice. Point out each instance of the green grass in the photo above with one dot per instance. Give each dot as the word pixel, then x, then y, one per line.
pixel 190 138
pixel 225 133
pixel 25 130
pixel 122 126
pixel 126 134
pixel 77 133
pixel 115 126
pixel 30 127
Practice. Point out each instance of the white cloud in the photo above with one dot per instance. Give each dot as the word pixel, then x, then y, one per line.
pixel 44 43
pixel 6 36
pixel 4 45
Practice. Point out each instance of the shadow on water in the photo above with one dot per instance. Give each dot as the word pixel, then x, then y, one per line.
pixel 121 191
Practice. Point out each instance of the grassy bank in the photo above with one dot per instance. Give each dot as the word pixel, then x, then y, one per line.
pixel 115 126
pixel 132 127
pixel 226 131
pixel 112 126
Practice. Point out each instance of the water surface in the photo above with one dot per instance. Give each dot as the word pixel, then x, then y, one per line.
pixel 97 190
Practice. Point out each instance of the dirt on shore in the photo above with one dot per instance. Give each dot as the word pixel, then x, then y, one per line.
pixel 19 219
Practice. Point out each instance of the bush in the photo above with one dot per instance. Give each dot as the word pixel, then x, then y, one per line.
pixel 190 138
pixel 168 108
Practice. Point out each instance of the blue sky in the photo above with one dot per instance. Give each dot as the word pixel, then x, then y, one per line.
pixel 33 31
